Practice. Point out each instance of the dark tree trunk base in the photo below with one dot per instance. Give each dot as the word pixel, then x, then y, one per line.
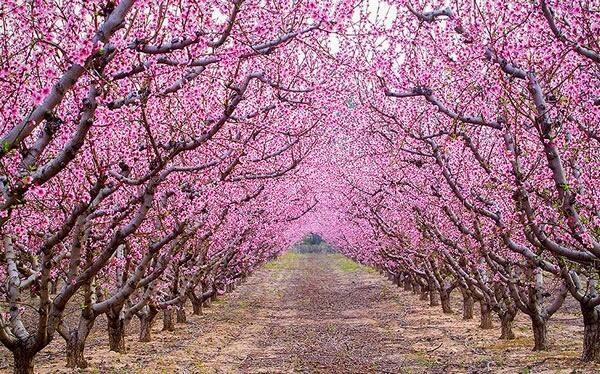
pixel 75 357
pixel 486 317
pixel 168 321
pixel 116 335
pixel 416 288
pixel 197 307
pixel 445 300
pixel 468 306
pixel 76 343
pixel 540 335
pixel 181 316
pixel 591 334
pixel 146 322
pixel 506 324
pixel 434 298
pixel 23 362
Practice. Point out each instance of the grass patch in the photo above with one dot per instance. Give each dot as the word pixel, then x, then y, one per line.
pixel 200 368
pixel 285 261
pixel 423 359
pixel 518 342
pixel 346 265
pixel 218 301
pixel 331 328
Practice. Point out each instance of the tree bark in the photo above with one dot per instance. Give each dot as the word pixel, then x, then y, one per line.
pixel 23 360
pixel 424 293
pixel 116 334
pixel 76 343
pixel 506 323
pixel 407 285
pixel 445 300
pixel 416 287
pixel 434 297
pixel 75 348
pixel 591 333
pixel 468 305
pixel 146 322
pixel 540 334
pixel 196 306
pixel 181 316
pixel 168 322
pixel 486 316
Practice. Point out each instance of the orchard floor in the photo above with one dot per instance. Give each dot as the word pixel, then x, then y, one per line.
pixel 318 313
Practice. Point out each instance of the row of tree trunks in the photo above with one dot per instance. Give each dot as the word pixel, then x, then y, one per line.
pixel 443 298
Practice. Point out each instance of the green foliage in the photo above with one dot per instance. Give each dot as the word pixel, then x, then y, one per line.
pixel 565 187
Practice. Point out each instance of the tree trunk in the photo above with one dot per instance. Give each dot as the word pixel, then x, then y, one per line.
pixel 146 322
pixel 486 316
pixel 407 285
pixel 197 305
pixel 540 334
pixel 206 297
pixel 434 297
pixel 416 288
pixel 424 293
pixel 75 348
pixel 181 316
pixel 116 334
pixel 591 334
pixel 468 305
pixel 76 342
pixel 168 323
pixel 445 300
pixel 23 360
pixel 506 323
pixel 213 297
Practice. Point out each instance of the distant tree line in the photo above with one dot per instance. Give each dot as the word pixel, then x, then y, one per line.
pixel 312 243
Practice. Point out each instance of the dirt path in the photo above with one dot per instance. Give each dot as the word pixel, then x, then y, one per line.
pixel 326 314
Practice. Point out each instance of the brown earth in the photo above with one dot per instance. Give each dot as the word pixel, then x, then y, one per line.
pixel 319 313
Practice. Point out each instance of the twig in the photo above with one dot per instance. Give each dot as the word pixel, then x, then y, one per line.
pixel 436 348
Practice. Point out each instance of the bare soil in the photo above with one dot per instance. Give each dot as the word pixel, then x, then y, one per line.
pixel 320 313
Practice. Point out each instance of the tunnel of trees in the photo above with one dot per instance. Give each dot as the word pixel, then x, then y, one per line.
pixel 154 153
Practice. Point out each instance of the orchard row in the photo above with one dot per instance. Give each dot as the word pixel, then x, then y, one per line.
pixel 154 153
